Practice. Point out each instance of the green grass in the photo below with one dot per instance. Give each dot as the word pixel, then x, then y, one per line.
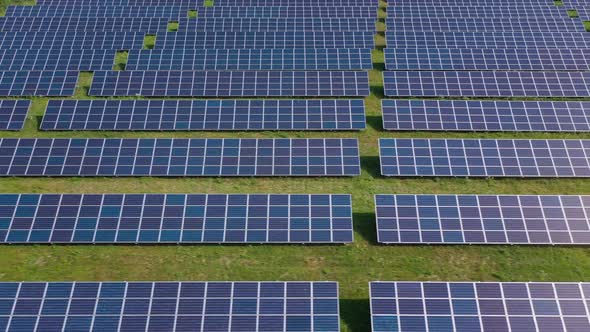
pixel 208 3
pixel 121 60
pixel 192 13
pixel 173 26
pixel 352 265
pixel 572 13
pixel 149 42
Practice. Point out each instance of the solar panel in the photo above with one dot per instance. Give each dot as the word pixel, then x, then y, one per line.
pixel 583 13
pixel 179 157
pixel 297 114
pixel 81 60
pixel 170 306
pixel 277 24
pixel 484 115
pixel 483 219
pixel 175 218
pixel 170 12
pixel 553 59
pixel 487 84
pixel 251 59
pixel 483 11
pixel 462 2
pixel 412 39
pixel 72 40
pixel 302 3
pixel 357 11
pixel 13 114
pixel 175 12
pixel 485 157
pixel 479 306
pixel 193 3
pixel 37 83
pixel 477 24
pixel 230 83
pixel 80 24
pixel 249 40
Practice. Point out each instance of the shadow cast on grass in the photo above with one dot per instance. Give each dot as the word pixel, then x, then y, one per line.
pixel 364 225
pixel 375 122
pixel 356 314
pixel 371 165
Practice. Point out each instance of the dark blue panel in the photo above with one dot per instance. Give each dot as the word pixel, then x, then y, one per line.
pixel 179 157
pixel 493 307
pixel 485 157
pixel 37 83
pixel 480 115
pixel 204 115
pixel 261 40
pixel 250 59
pixel 527 59
pixel 13 114
pixel 452 219
pixel 486 84
pixel 71 40
pixel 278 24
pixel 476 9
pixel 146 25
pixel 477 24
pixel 176 218
pixel 79 60
pixel 229 83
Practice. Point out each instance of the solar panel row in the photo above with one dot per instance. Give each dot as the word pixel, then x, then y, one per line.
pixel 484 115
pixel 233 3
pixel 230 83
pixel 485 157
pixel 250 59
pixel 257 40
pixel 13 114
pixel 514 39
pixel 176 12
pixel 57 59
pixel 276 24
pixel 175 218
pixel 479 306
pixel 179 157
pixel 298 114
pixel 50 40
pixel 81 24
pixel 486 84
pixel 483 11
pixel 170 306
pixel 37 83
pixel 483 219
pixel 526 59
pixel 477 24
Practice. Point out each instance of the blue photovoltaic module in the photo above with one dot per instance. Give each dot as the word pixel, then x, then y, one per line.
pixel 80 24
pixel 37 83
pixel 479 306
pixel 497 10
pixel 486 115
pixel 483 219
pixel 57 59
pixel 170 306
pixel 71 40
pixel 278 24
pixel 283 114
pixel 175 218
pixel 485 157
pixel 13 114
pixel 492 25
pixel 179 157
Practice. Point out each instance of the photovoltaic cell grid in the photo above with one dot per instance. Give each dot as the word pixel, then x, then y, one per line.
pixel 80 24
pixel 515 39
pixel 80 60
pixel 170 12
pixel 182 11
pixel 474 10
pixel 71 40
pixel 553 59
pixel 13 114
pixel 251 59
pixel 486 84
pixel 277 24
pixel 170 306
pixel 230 83
pixel 252 40
pixel 477 24
pixel 37 83
pixel 485 157
pixel 455 219
pixel 484 115
pixel 175 218
pixel 179 157
pixel 303 3
pixel 479 306
pixel 298 114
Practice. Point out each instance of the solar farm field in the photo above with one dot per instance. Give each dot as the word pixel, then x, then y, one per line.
pixel 353 265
